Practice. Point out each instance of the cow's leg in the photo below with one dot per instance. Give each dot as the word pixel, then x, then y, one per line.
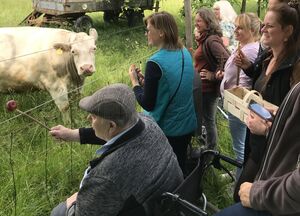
pixel 60 97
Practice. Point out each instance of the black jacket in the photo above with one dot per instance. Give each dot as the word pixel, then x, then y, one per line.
pixel 277 87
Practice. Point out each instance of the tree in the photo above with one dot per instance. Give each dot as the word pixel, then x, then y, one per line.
pixel 243 8
pixel 258 7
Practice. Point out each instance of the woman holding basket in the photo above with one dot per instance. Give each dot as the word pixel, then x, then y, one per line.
pixel 274 72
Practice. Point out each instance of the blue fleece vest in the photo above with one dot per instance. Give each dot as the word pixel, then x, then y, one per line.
pixel 179 118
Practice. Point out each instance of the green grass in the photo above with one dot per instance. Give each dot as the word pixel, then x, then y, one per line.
pixel 46 172
pixel 13 12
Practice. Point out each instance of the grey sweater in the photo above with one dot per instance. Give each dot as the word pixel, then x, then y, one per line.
pixel 136 170
pixel 277 187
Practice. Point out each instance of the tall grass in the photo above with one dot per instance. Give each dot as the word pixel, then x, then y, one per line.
pixel 36 172
pixel 13 12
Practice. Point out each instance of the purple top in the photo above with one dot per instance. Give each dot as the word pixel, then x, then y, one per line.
pixel 230 69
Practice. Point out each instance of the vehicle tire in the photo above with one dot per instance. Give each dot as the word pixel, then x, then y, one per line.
pixel 83 24
pixel 134 18
pixel 111 16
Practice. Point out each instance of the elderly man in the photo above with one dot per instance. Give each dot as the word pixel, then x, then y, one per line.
pixel 134 166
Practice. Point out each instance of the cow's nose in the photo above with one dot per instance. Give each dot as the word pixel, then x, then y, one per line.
pixel 87 69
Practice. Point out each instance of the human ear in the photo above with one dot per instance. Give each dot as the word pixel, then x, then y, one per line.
pixel 112 124
pixel 161 34
pixel 112 130
pixel 289 31
pixel 89 117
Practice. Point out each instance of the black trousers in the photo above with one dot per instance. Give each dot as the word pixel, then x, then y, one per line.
pixel 248 174
pixel 179 145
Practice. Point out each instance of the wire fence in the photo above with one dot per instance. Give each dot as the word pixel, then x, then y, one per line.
pixel 77 88
pixel 25 129
pixel 45 140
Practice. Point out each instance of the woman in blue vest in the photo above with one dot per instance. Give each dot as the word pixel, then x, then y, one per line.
pixel 166 91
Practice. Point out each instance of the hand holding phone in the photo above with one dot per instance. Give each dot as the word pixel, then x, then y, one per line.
pixel 140 76
pixel 260 111
pixel 135 75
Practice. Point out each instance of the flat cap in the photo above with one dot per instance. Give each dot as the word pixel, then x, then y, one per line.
pixel 113 102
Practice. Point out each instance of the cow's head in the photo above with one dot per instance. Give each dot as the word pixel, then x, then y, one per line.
pixel 82 48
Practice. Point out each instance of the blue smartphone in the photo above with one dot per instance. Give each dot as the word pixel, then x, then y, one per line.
pixel 260 111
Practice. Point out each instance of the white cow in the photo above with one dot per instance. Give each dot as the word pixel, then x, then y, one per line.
pixel 50 59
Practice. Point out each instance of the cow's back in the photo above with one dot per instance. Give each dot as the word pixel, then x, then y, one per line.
pixel 55 60
pixel 25 55
pixel 28 40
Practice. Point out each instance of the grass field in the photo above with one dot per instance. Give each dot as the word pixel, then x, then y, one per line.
pixel 37 172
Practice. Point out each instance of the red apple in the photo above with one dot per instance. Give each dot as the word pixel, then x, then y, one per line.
pixel 11 105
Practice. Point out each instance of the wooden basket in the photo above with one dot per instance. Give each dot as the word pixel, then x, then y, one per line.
pixel 236 101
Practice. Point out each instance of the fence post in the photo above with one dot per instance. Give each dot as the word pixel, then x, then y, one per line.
pixel 188 23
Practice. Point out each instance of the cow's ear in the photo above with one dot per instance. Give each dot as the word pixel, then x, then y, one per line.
pixel 93 33
pixel 62 46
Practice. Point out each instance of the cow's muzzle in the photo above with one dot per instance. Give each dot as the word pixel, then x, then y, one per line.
pixel 87 69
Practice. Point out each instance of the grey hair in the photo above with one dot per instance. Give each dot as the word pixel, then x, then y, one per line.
pixel 227 13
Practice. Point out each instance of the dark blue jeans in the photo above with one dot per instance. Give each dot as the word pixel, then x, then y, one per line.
pixel 209 107
pixel 239 210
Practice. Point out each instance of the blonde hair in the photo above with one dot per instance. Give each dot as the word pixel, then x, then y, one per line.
pixel 250 22
pixel 227 13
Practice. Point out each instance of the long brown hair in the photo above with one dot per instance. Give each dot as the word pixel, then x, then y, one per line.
pixel 166 23
pixel 287 16
pixel 208 16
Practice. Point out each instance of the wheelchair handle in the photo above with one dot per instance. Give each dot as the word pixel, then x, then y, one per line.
pixel 183 202
pixel 223 157
pixel 230 160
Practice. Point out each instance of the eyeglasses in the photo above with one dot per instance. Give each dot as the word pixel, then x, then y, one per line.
pixel 266 27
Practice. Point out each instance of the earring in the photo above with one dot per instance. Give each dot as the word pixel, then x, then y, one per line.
pixel 285 40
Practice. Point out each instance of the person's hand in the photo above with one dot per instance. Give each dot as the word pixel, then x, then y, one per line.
pixel 207 75
pixel 133 75
pixel 60 132
pixel 257 125
pixel 219 75
pixel 71 200
pixel 140 76
pixel 244 194
pixel 272 109
pixel 192 51
pixel 241 60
